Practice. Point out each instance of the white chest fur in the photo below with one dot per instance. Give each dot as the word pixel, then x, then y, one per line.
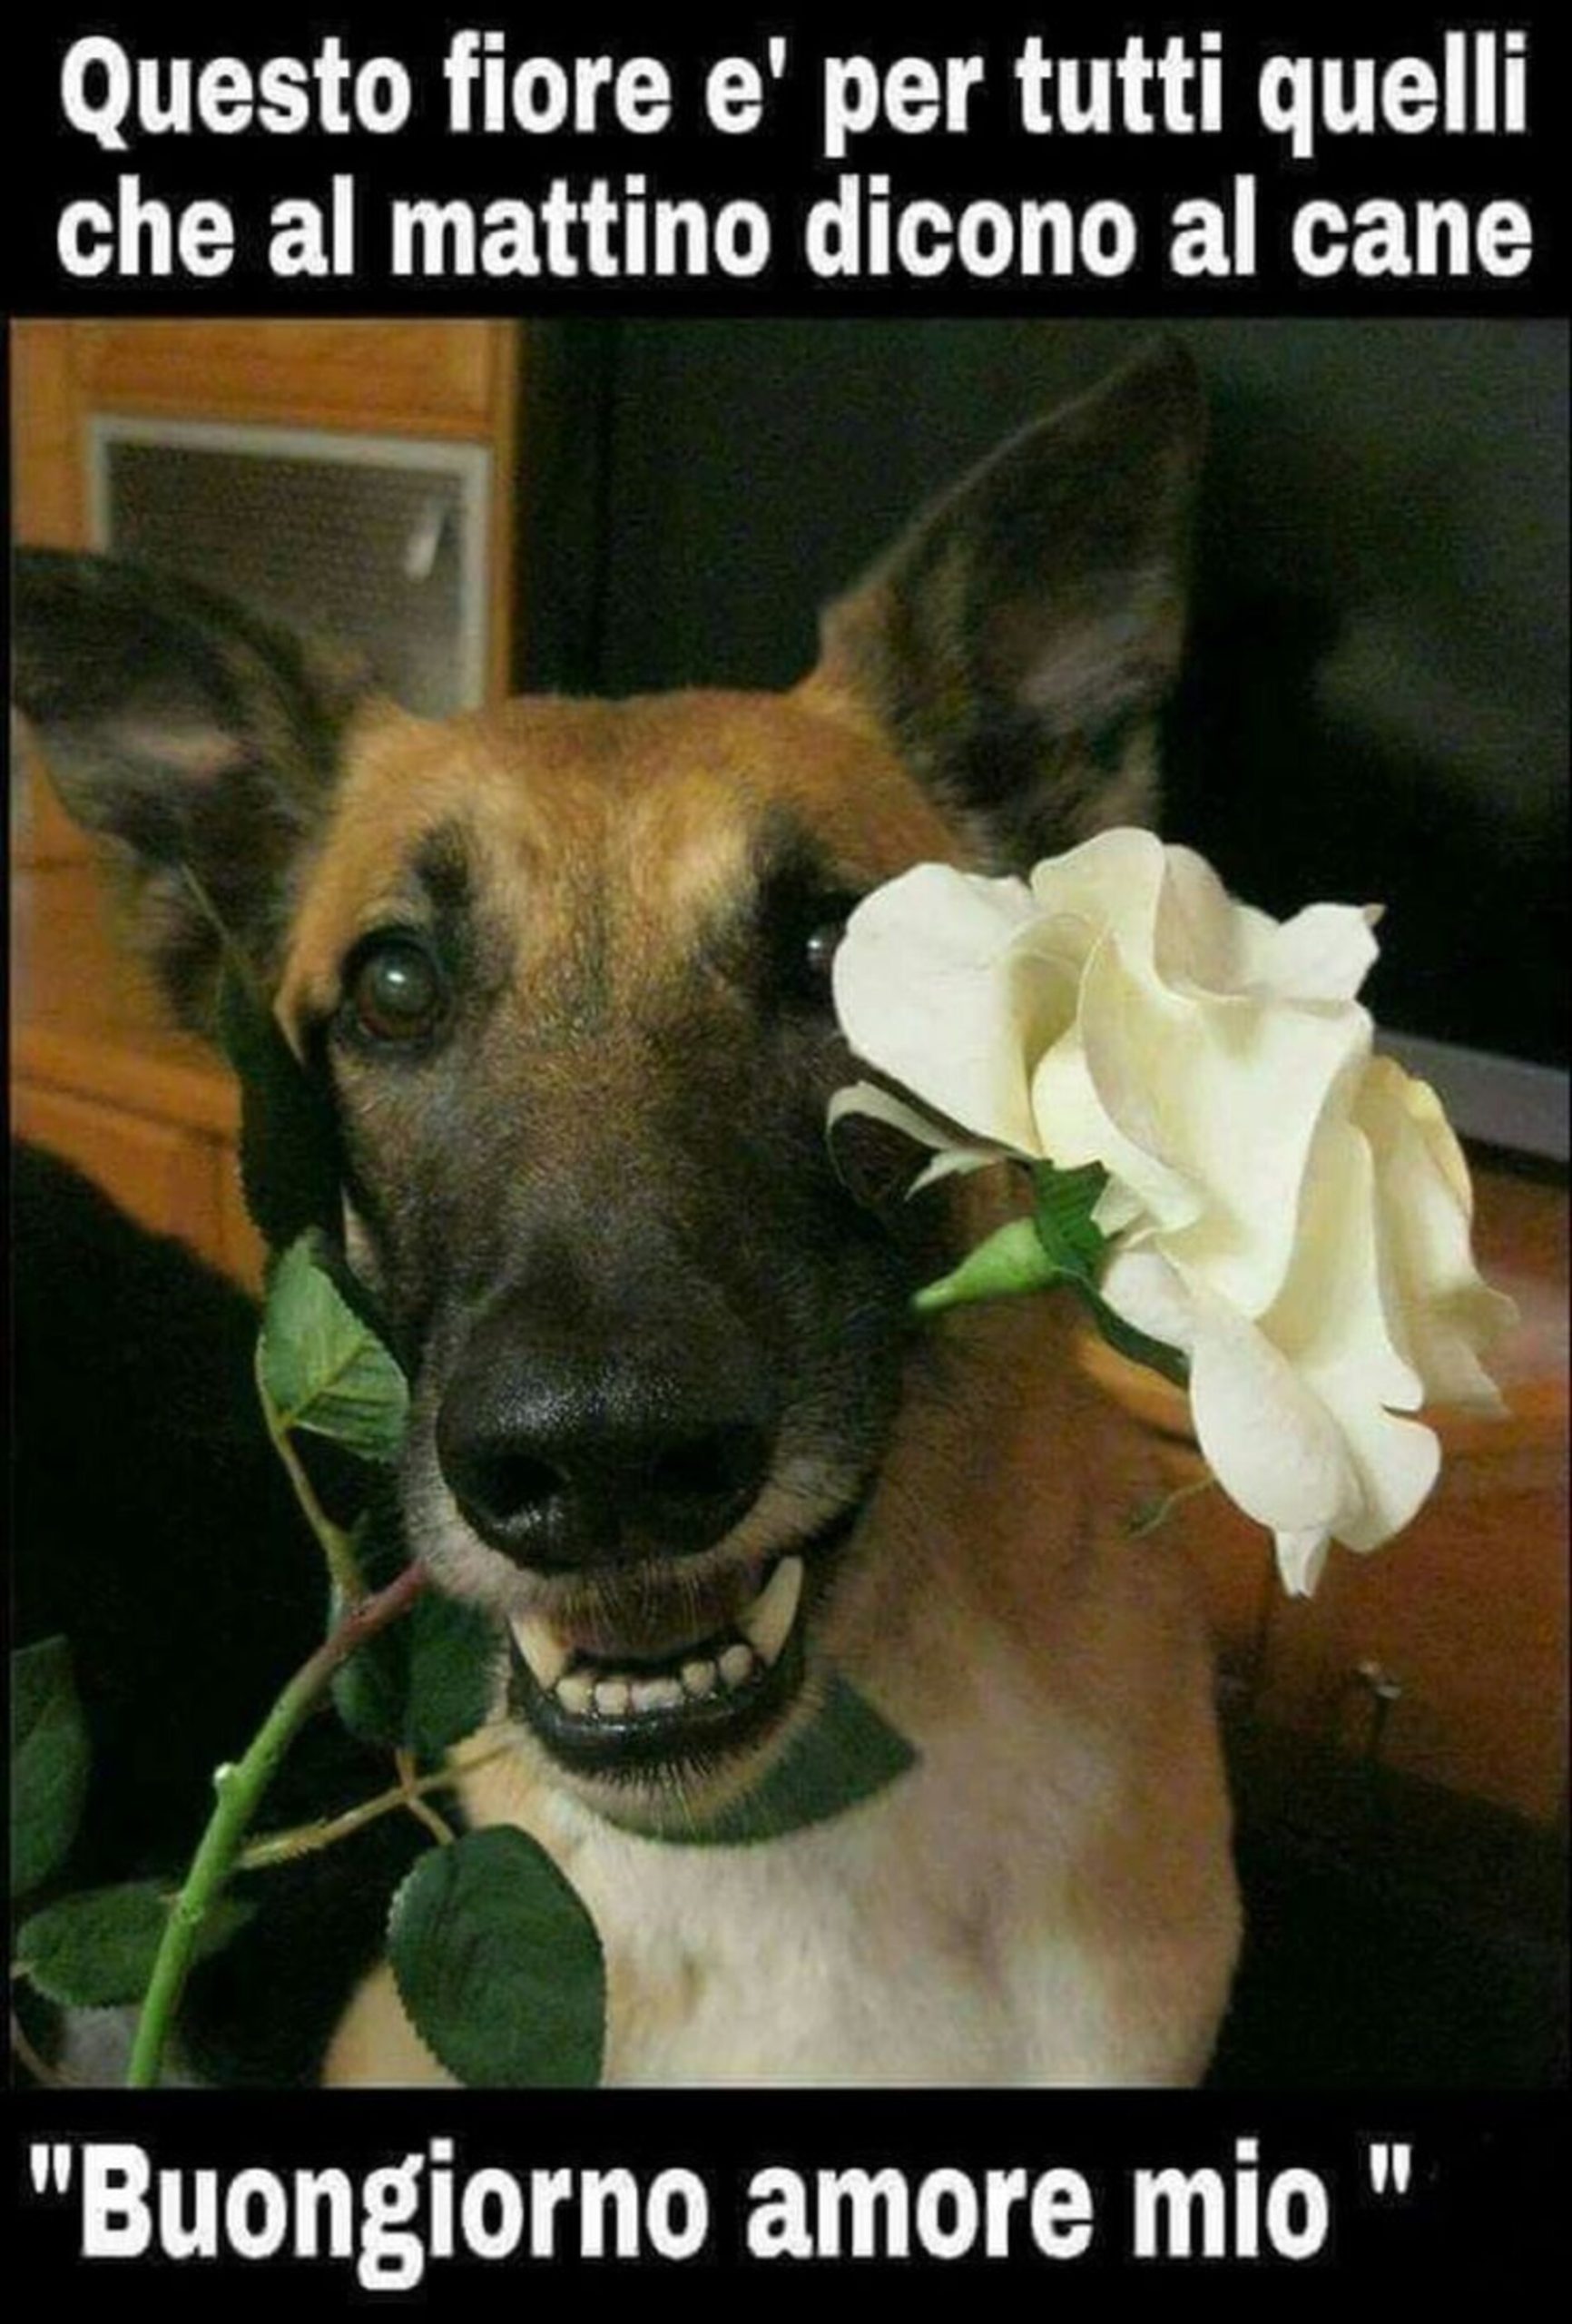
pixel 1045 1899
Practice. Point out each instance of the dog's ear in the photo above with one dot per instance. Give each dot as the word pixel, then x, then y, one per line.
pixel 1017 642
pixel 197 736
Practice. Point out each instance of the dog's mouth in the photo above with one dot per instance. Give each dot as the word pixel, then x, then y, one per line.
pixel 655 1683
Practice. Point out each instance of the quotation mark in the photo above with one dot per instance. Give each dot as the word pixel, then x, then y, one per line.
pixel 1389 2167
pixel 51 2167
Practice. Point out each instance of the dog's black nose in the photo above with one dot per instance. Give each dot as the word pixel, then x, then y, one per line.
pixel 566 1447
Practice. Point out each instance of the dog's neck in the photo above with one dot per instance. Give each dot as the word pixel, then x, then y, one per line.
pixel 983 1513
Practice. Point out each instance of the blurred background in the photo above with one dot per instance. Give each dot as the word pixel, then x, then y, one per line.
pixel 1376 705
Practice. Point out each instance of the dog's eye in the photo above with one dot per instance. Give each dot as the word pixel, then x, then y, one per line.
pixel 819 948
pixel 800 920
pixel 396 990
pixel 807 957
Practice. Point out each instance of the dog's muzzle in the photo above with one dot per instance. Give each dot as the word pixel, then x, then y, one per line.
pixel 654 1680
pixel 571 1445
pixel 611 1709
pixel 621 1468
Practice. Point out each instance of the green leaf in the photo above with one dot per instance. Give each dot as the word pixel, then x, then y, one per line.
pixel 425 1683
pixel 1062 1202
pixel 49 1761
pixel 323 1368
pixel 289 1170
pixel 428 1682
pixel 1060 1244
pixel 1078 1249
pixel 1155 1354
pixel 456 1656
pixel 845 1754
pixel 499 1964
pixel 371 1691
pixel 96 1949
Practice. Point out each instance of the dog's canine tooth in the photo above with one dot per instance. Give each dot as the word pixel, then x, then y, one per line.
pixel 541 1649
pixel 736 1664
pixel 768 1620
pixel 575 1692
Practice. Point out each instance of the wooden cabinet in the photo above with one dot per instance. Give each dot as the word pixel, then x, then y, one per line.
pixel 98 1075
pixel 166 1176
pixel 100 1080
pixel 48 510
pixel 1445 1653
pixel 402 378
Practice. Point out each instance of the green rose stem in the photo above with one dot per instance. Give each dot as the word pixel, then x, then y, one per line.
pixel 336 1544
pixel 410 1792
pixel 1059 1244
pixel 240 1790
pixel 1010 1262
pixel 1155 1513
pixel 307 1839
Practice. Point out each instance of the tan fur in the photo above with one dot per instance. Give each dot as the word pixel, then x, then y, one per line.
pixel 1048 1896
pixel 647 797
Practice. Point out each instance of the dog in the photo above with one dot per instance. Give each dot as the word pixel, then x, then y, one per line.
pixel 565 968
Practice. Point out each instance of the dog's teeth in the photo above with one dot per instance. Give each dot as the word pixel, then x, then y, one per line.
pixel 616 1694
pixel 541 1649
pixel 736 1664
pixel 769 1620
pixel 657 1694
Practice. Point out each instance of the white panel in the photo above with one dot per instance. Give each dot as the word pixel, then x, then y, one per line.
pixel 379 541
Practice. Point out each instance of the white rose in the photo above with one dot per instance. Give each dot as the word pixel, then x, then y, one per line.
pixel 1289 1211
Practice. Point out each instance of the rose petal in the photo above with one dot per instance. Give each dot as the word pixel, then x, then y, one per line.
pixel 1272 1446
pixel 1076 1124
pixel 1141 1286
pixel 862 1097
pixel 1197 943
pixel 931 988
pixel 1445 1311
pixel 1209 941
pixel 1114 880
pixel 1331 1319
pixel 1332 1326
pixel 1397 1462
pixel 1302 1558
pixel 1075 1129
pixel 1206 1109
pixel 1323 953
pixel 1117 1210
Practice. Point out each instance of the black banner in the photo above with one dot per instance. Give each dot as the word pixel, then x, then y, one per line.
pixel 1009 162
pixel 428 2196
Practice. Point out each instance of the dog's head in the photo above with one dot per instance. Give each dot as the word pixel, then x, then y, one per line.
pixel 565 968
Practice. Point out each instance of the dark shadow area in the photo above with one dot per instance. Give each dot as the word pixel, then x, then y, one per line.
pixel 1398 1936
pixel 155 1530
